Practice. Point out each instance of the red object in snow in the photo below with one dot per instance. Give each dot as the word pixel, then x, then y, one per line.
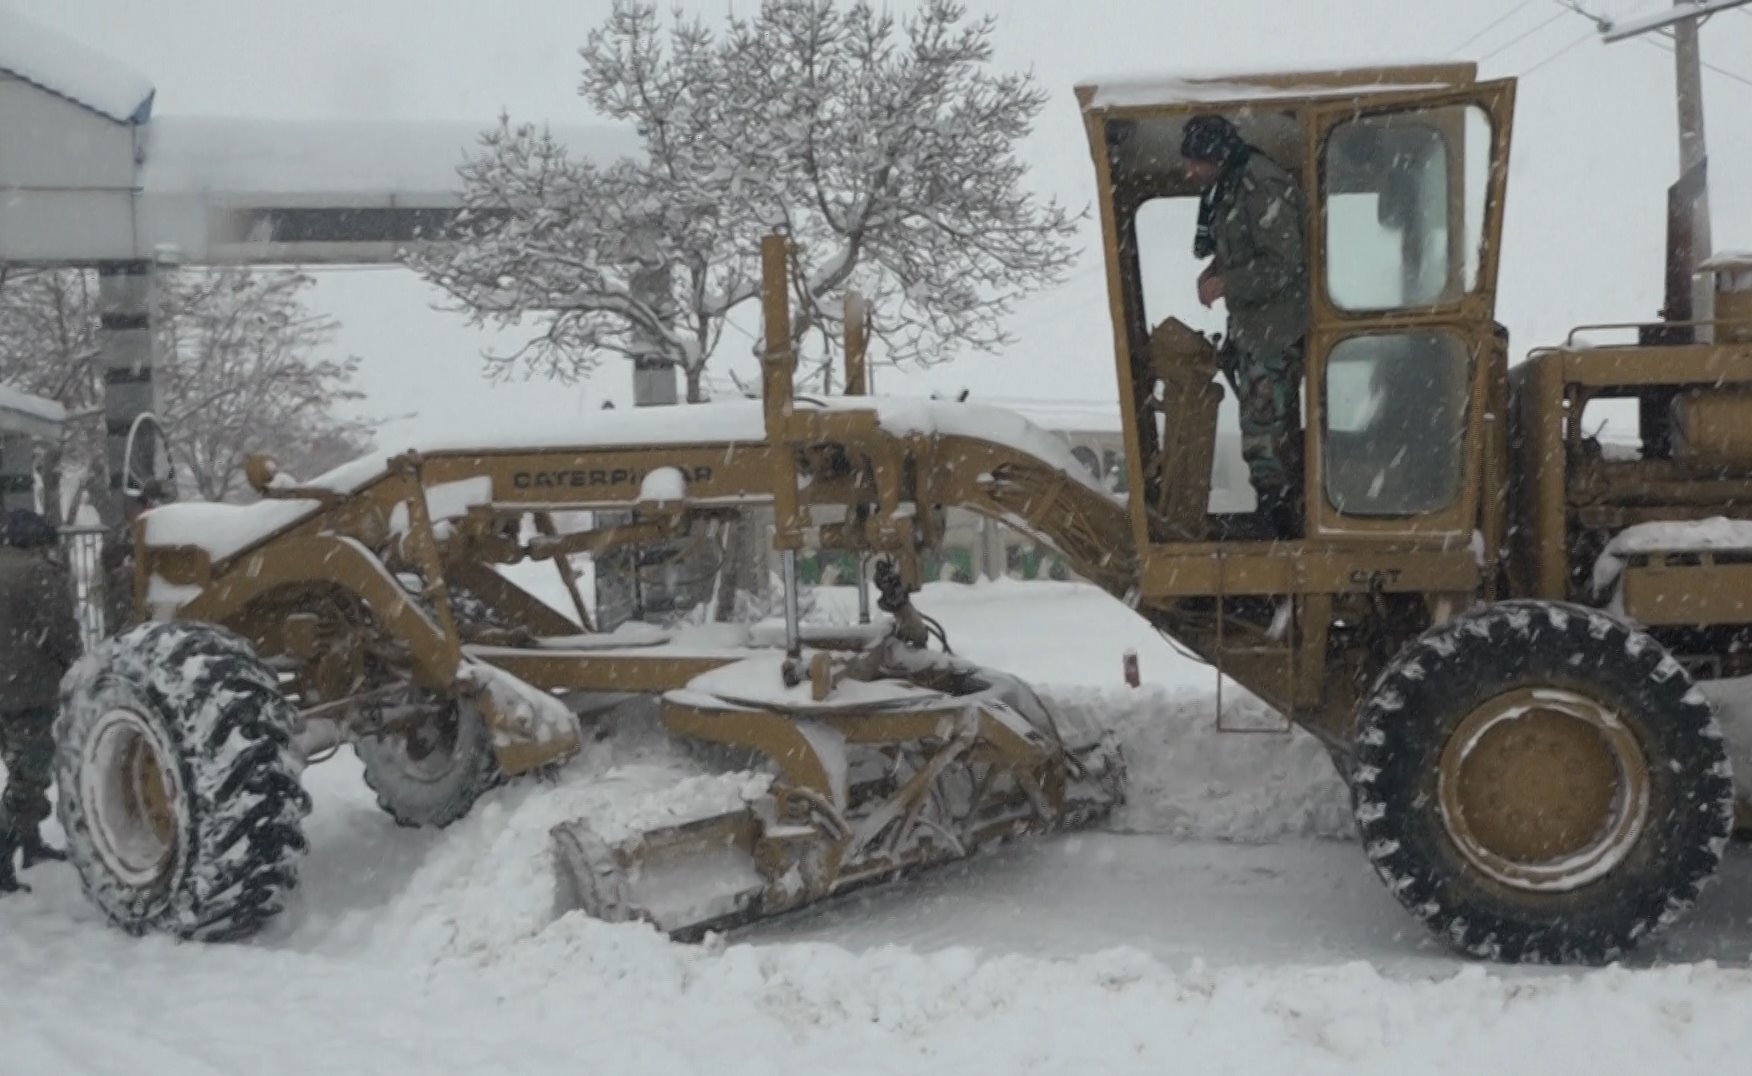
pixel 1131 668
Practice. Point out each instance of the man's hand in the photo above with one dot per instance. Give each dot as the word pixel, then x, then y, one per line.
pixel 1210 287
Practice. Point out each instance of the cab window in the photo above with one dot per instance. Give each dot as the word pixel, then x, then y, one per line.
pixel 1403 203
pixel 1395 413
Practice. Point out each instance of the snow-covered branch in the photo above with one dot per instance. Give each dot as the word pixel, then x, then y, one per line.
pixel 240 366
pixel 885 149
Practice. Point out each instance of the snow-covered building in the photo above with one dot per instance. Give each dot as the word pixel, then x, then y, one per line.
pixel 93 175
pixel 93 172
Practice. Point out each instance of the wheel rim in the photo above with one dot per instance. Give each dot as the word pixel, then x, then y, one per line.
pixel 129 794
pixel 1543 789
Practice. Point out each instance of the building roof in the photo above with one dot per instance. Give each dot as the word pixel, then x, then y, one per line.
pixel 294 158
pixel 31 415
pixel 73 70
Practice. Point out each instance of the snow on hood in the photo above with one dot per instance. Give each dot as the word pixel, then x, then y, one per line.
pixel 730 422
pixel 224 530
pixel 1687 536
pixel 70 69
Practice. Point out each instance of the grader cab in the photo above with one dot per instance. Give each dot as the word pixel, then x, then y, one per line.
pixel 1490 618
pixel 1493 624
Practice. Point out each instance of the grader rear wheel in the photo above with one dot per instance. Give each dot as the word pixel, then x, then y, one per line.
pixel 1540 783
pixel 1543 789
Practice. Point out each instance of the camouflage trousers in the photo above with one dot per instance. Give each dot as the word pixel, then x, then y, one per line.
pixel 1268 388
pixel 27 746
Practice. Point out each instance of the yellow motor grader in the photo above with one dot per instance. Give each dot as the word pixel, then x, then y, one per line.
pixel 1494 622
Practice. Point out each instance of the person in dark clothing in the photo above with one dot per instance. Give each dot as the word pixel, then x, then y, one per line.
pixel 1250 224
pixel 39 642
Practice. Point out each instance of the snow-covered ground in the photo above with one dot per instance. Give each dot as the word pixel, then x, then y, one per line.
pixel 1224 926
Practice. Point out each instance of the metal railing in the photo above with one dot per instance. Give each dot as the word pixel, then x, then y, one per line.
pixel 82 549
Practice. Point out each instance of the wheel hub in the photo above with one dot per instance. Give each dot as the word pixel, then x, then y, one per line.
pixel 429 744
pixel 1543 789
pixel 129 794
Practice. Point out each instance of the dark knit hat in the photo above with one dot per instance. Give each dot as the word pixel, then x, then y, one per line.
pixel 25 529
pixel 1209 138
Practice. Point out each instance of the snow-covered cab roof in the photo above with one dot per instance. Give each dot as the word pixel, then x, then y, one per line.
pixel 72 70
pixel 1177 91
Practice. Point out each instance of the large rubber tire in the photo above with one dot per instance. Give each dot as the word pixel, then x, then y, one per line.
pixel 178 783
pixel 435 779
pixel 1463 690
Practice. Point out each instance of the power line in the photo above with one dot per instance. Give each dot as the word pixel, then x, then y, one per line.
pixel 1601 22
pixel 1522 37
pixel 1493 24
pixel 1586 36
pixel 1575 6
pixel 1717 68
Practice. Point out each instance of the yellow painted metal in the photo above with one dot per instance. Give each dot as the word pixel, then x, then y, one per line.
pixel 1543 789
pixel 857 344
pixel 1701 589
pixel 544 522
pixel 1715 426
pixel 778 367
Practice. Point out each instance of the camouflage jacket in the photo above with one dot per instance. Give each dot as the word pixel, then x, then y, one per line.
pixel 39 634
pixel 1262 257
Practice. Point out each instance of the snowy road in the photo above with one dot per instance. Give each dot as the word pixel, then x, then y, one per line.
pixel 1297 902
pixel 1159 950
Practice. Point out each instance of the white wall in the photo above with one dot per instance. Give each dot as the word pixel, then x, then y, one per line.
pixel 45 139
pixel 66 178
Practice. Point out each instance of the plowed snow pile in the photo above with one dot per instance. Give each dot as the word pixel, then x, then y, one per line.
pixel 422 953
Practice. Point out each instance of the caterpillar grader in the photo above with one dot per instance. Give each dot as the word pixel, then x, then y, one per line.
pixel 1495 622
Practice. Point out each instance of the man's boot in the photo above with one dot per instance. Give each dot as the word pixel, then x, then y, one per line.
pixel 9 882
pixel 36 850
pixel 1280 513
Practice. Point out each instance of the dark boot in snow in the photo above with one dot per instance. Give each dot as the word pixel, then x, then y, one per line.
pixel 36 850
pixel 9 882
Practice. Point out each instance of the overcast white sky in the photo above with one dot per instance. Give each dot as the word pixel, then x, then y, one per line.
pixel 1595 143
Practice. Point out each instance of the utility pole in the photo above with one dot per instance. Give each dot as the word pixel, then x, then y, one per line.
pixel 1682 23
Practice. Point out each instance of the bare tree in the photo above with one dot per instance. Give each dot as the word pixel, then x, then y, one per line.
pixel 885 150
pixel 243 369
pixel 49 347
pixel 240 368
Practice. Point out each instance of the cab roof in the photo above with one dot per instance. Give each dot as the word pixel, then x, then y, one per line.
pixel 1170 91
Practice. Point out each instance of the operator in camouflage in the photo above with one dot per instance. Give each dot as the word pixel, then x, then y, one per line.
pixel 1250 225
pixel 39 641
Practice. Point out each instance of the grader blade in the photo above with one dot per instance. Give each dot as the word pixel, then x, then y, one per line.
pixel 683 879
pixel 912 760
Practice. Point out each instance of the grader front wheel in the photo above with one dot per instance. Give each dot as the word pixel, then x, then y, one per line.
pixel 1541 783
pixel 431 771
pixel 179 786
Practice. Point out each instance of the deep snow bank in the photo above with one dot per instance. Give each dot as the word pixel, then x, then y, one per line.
pixel 1186 777
pixel 488 882
pixel 429 953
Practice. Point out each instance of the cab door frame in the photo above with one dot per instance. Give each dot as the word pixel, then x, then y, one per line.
pixel 1468 316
